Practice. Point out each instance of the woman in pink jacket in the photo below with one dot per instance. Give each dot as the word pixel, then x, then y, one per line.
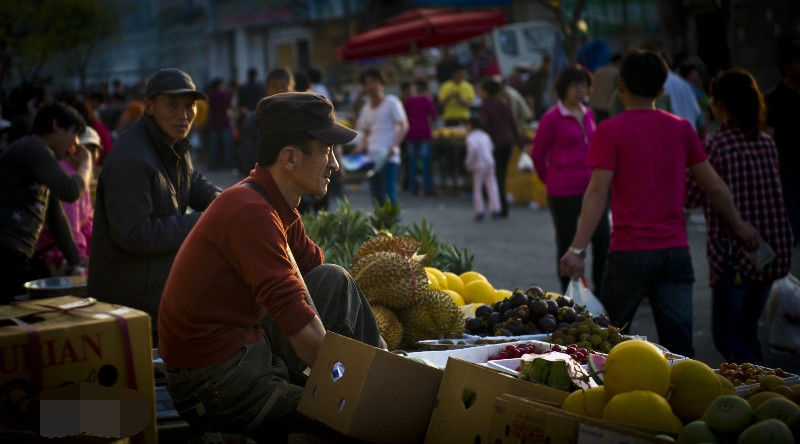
pixel 49 260
pixel 559 156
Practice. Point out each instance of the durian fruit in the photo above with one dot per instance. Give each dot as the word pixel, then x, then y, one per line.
pixel 385 241
pixel 389 326
pixel 390 279
pixel 435 316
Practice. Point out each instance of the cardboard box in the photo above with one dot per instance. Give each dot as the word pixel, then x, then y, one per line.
pixel 517 419
pixel 79 340
pixel 466 401
pixel 369 393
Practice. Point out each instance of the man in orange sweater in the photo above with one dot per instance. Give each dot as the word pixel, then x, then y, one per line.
pixel 248 300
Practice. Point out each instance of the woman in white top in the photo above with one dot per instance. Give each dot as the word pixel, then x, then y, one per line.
pixel 382 124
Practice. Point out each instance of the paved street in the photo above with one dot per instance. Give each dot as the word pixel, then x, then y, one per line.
pixel 520 251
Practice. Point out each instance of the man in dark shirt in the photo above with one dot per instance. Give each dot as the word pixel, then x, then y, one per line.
pixel 783 107
pixel 144 192
pixel 33 182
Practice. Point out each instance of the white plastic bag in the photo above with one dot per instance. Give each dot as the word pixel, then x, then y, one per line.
pixel 783 314
pixel 579 291
pixel 525 163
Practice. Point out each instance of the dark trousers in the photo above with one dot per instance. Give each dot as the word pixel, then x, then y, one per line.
pixel 737 305
pixel 14 269
pixel 256 391
pixel 565 212
pixel 502 153
pixel 666 278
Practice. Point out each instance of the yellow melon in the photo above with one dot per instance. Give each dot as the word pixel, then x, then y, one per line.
pixel 455 297
pixel 469 276
pixel 693 385
pixel 636 364
pixel 587 402
pixel 440 277
pixel 453 282
pixel 479 292
pixel 642 408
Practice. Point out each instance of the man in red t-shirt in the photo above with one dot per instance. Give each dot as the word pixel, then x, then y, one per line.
pixel 641 157
pixel 248 300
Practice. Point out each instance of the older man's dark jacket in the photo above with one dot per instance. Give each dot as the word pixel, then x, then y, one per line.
pixel 141 218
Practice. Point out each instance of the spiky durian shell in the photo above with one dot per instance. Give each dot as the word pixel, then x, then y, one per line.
pixel 435 316
pixel 383 241
pixel 389 279
pixel 389 326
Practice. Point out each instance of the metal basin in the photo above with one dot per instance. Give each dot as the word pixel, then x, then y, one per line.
pixel 57 286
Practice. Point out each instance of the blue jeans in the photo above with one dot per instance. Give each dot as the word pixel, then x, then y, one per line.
pixel 256 391
pixel 383 184
pixel 663 276
pixel 736 308
pixel 419 152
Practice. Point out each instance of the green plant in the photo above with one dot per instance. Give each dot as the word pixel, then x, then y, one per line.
pixel 340 233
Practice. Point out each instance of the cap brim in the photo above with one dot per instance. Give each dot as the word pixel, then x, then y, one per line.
pixel 197 94
pixel 337 134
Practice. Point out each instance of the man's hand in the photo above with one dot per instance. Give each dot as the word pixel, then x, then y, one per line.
pixel 571 265
pixel 81 155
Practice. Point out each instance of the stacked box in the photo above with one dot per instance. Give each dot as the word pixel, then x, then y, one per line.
pixel 466 401
pixel 46 344
pixel 368 393
pixel 518 419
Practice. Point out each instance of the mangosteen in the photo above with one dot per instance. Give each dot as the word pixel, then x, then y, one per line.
pixel 496 305
pixel 508 314
pixel 552 307
pixel 569 315
pixel 537 308
pixel 518 298
pixel 535 292
pixel 546 323
pixel 601 321
pixel 522 313
pixel 474 325
pixel 483 310
pixel 563 325
pixel 517 327
pixel 504 306
pixel 533 330
pixel 562 301
pixel 492 320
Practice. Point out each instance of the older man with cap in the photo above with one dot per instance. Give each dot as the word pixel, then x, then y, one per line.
pixel 248 300
pixel 146 186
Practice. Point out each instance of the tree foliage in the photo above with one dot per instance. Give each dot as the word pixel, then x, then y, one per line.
pixel 33 31
pixel 569 22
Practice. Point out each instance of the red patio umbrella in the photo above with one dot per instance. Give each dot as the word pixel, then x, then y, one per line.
pixel 419 28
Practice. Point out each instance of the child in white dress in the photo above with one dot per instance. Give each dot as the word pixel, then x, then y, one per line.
pixel 480 162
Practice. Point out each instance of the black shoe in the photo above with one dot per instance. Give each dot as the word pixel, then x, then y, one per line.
pixel 478 217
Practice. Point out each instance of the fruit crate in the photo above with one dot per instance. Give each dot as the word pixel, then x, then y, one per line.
pixel 473 341
pixel 789 379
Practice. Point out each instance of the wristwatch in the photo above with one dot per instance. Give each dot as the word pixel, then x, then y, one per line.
pixel 580 252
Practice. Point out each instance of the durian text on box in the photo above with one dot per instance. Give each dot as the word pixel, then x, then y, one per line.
pixel 47 343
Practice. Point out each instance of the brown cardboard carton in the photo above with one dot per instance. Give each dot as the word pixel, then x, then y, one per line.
pixel 466 401
pixel 369 393
pixel 50 343
pixel 517 419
